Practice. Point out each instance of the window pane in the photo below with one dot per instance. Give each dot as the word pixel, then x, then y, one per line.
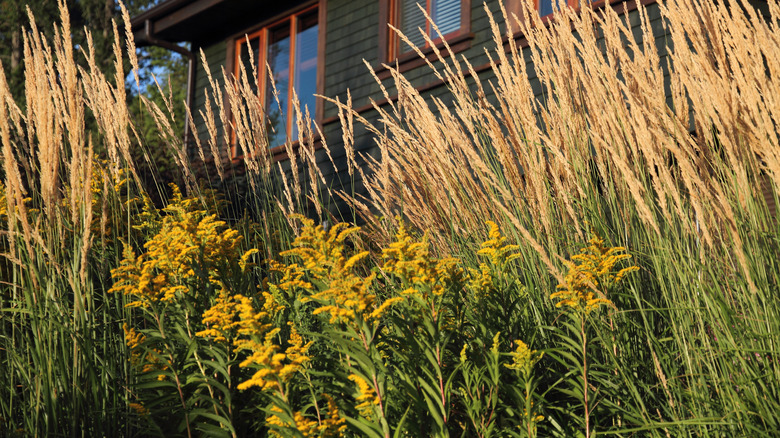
pixel 412 19
pixel 305 71
pixel 446 15
pixel 246 61
pixel 279 61
pixel 547 7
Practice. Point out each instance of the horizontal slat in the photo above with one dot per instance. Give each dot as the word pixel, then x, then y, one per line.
pixel 446 15
pixel 412 18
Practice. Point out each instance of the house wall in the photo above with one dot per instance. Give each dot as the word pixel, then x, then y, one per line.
pixel 352 35
pixel 215 55
pixel 355 37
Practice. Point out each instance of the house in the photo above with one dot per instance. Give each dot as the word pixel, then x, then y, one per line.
pixel 319 47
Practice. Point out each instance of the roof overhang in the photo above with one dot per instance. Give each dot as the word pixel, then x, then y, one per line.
pixel 202 21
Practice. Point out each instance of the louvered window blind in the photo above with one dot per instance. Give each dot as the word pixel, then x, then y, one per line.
pixel 445 13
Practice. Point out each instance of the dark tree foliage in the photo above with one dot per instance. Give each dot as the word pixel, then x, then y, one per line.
pixel 95 15
pixel 161 72
pixel 163 77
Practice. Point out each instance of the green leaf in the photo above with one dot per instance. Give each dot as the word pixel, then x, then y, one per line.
pixel 400 426
pixel 433 401
pixel 368 429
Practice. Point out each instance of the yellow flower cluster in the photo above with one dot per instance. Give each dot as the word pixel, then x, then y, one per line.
pixel 133 338
pixel 496 344
pixel 139 409
pixel 188 240
pixel 410 261
pixel 345 296
pixel 328 427
pixel 523 358
pixel 366 396
pixel 464 357
pixel 235 318
pixel 591 273
pixel 147 219
pixel 3 202
pixel 221 317
pixel 496 249
pixel 148 362
pixel 274 367
pixel 483 280
pixel 534 418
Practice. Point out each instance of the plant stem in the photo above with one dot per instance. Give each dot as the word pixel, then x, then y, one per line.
pixel 183 402
pixel 585 375
pixel 381 405
pixel 528 407
pixel 441 386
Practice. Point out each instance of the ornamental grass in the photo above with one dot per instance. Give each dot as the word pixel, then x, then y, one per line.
pixel 594 259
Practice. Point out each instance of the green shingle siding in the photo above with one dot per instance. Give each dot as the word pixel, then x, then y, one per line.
pixel 215 56
pixel 352 35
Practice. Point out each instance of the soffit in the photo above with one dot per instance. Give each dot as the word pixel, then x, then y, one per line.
pixel 204 21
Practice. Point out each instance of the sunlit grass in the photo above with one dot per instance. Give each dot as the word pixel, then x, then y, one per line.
pixel 597 260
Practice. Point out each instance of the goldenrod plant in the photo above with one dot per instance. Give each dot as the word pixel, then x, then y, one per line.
pixel 592 276
pixel 523 361
pixel 191 262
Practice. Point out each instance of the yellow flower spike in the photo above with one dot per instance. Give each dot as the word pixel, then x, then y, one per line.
pixel 496 249
pixel 481 281
pixel 133 338
pixel 377 313
pixel 244 262
pixel 496 343
pixel 366 396
pixel 273 365
pixel 590 274
pixel 321 258
pixel 139 409
pixel 523 358
pixel 148 362
pixel 296 354
pixel 463 353
pixel 274 420
pixel 354 260
pixel 264 378
pixel 3 202
pixel 330 426
pixel 187 241
pixel 410 262
pixel 221 318
pixel 334 425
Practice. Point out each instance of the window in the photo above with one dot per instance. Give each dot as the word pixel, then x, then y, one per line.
pixel 548 7
pixel 290 49
pixel 451 16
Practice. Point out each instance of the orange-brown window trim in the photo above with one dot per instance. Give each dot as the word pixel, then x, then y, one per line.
pixel 309 14
pixel 392 49
pixel 548 8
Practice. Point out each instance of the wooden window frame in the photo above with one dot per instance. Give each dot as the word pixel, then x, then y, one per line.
pixel 574 4
pixel 261 32
pixel 514 6
pixel 390 45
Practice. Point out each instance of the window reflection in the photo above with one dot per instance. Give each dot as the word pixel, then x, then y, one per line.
pixel 289 48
